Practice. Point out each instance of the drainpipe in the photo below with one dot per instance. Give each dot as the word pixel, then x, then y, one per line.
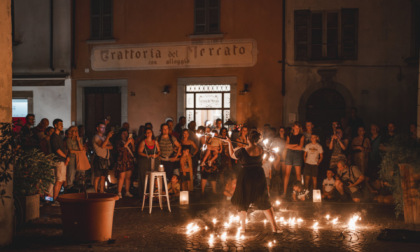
pixel 73 34
pixel 283 52
pixel 51 35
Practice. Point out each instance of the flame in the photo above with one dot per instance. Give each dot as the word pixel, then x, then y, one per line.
pixel 270 245
pixel 278 202
pixel 334 221
pixel 315 226
pixel 192 228
pixel 265 142
pixel 238 233
pixel 327 217
pixel 353 220
pixel 223 238
pixel 214 221
pixel 299 220
pixel 276 149
pixel 271 159
pixel 211 239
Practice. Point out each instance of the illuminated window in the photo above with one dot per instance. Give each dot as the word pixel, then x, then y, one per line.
pixel 207 16
pixel 326 35
pixel 101 21
pixel 19 107
pixel 206 103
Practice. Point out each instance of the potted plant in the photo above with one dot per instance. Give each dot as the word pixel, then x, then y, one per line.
pixel 401 168
pixel 32 173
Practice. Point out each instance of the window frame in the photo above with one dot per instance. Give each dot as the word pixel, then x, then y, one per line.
pixel 101 17
pixel 308 53
pixel 207 9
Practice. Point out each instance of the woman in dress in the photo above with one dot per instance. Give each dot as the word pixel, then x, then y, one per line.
pixel 74 144
pixel 125 162
pixel 251 186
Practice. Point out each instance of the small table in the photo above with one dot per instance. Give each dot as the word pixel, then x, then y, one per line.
pixel 155 175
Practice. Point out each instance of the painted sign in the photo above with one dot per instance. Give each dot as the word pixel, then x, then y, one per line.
pixel 201 54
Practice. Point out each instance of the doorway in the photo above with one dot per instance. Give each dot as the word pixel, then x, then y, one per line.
pixel 100 103
pixel 323 106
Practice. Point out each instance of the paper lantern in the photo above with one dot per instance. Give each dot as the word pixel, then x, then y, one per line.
pixel 183 198
pixel 316 195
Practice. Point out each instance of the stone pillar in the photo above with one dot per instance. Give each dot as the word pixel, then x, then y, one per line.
pixel 418 104
pixel 6 208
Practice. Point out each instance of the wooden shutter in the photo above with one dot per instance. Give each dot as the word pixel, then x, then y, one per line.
pixel 349 30
pixel 302 34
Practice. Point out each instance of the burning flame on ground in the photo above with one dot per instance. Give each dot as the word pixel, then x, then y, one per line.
pixel 192 228
pixel 353 220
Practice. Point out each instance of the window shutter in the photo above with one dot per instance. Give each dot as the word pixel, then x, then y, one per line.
pixel 349 30
pixel 316 36
pixel 301 34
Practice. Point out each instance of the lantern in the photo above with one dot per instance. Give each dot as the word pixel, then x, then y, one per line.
pixel 316 195
pixel 161 168
pixel 183 198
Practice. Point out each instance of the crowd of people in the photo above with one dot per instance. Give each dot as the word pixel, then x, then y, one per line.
pixel 343 163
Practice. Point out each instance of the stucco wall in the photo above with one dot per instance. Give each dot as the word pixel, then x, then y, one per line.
pixel 137 22
pixel 32 35
pixel 382 85
pixel 6 208
pixel 51 102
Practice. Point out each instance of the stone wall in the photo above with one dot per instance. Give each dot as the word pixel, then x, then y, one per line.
pixel 6 209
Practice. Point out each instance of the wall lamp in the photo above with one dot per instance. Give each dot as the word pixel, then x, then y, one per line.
pixel 166 89
pixel 245 90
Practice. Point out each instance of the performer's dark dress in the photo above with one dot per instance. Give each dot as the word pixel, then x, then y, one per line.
pixel 251 186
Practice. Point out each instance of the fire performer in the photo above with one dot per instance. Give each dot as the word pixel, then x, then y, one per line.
pixel 251 187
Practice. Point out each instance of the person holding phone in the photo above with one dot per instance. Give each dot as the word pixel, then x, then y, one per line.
pixel 338 146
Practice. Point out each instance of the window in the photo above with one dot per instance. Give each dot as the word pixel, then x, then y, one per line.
pixel 101 19
pixel 207 16
pixel 326 35
pixel 206 103
pixel 415 29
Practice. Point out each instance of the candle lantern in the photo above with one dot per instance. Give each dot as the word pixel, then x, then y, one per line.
pixel 316 195
pixel 161 168
pixel 183 198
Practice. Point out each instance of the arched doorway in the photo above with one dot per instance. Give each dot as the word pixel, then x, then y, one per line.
pixel 323 106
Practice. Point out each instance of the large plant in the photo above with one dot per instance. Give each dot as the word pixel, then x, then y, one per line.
pixel 32 169
pixel 399 151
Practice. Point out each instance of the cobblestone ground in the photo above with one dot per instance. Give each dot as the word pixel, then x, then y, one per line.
pixel 135 230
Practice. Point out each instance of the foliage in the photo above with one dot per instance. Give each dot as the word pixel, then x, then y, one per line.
pixel 399 151
pixel 33 172
pixel 32 169
pixel 8 146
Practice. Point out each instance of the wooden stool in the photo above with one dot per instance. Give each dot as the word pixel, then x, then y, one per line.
pixel 155 175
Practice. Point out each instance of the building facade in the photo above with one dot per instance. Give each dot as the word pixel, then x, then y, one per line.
pixel 41 35
pixel 344 54
pixel 146 61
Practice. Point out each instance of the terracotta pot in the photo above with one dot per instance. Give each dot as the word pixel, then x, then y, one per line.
pixel 87 219
pixel 30 207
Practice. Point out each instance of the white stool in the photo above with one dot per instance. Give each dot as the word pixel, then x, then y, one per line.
pixel 155 175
